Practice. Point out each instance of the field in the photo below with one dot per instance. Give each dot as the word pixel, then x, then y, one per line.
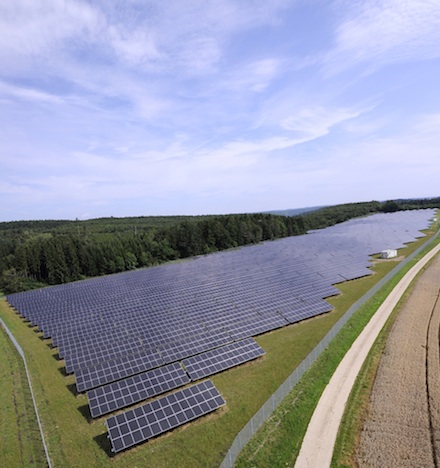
pixel 75 440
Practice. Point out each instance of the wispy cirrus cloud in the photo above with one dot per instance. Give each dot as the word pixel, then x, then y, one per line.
pixel 40 29
pixel 254 76
pixel 28 94
pixel 314 122
pixel 175 33
pixel 375 34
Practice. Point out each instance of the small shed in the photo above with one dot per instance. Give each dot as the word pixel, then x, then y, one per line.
pixel 389 253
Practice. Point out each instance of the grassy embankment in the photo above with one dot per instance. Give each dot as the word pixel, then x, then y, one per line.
pixel 278 442
pixel 76 440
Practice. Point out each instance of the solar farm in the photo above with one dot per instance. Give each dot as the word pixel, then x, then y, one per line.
pixel 143 344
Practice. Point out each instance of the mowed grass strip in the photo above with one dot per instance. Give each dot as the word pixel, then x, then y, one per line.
pixel 278 441
pixel 74 439
pixel 20 442
pixel 348 438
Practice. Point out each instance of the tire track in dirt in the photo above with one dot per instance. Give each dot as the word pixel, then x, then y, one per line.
pixel 402 428
pixel 433 378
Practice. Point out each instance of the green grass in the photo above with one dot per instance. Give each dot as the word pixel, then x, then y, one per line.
pixel 76 440
pixel 278 441
pixel 20 442
pixel 357 404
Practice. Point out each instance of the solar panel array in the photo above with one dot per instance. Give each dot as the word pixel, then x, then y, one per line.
pixel 166 413
pixel 140 387
pixel 220 359
pixel 116 369
pixel 188 320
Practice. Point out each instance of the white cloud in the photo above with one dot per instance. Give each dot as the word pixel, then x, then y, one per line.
pixel 198 55
pixel 133 47
pixel 244 170
pixel 314 122
pixel 428 124
pixel 33 28
pixel 29 94
pixel 377 33
pixel 191 34
pixel 255 76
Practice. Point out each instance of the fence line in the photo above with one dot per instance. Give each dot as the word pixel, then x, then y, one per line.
pixel 252 426
pixel 21 353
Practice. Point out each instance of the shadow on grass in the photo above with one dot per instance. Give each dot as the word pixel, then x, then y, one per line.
pixel 56 356
pixel 62 370
pixel 85 413
pixel 103 443
pixel 72 389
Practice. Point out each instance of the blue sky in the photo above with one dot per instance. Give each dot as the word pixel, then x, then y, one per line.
pixel 138 107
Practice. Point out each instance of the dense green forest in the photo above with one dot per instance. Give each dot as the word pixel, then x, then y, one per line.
pixel 41 253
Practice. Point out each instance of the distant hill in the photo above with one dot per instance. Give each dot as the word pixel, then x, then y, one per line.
pixel 295 211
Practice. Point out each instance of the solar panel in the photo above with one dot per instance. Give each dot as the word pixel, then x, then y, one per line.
pixel 152 419
pixel 117 369
pixel 194 345
pixel 95 354
pixel 129 391
pixel 303 310
pixel 223 358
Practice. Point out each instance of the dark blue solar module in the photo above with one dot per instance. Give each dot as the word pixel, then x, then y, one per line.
pixel 126 392
pixel 117 369
pixel 115 327
pixel 152 419
pixel 220 359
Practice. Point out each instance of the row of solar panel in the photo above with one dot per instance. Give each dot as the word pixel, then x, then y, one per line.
pixel 126 366
pixel 416 233
pixel 166 413
pixel 58 306
pixel 237 297
pixel 197 313
pixel 137 325
pixel 92 296
pixel 179 353
pixel 76 349
pixel 164 321
pixel 177 350
pixel 122 393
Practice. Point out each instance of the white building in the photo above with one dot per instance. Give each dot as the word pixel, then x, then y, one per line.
pixel 389 253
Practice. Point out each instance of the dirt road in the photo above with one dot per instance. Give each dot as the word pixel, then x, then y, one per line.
pixel 318 443
pixel 403 423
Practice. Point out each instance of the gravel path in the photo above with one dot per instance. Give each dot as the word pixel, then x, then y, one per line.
pixel 317 447
pixel 404 418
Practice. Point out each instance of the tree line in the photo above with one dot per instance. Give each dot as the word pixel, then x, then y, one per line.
pixel 41 253
pixel 47 256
